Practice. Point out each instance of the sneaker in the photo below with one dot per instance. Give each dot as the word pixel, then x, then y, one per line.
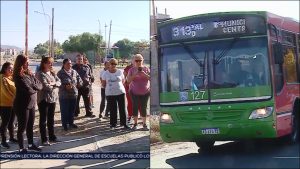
pixel 126 127
pixel 134 127
pixel 113 126
pixel 13 140
pixel 24 150
pixel 54 140
pixel 4 145
pixel 46 143
pixel 90 116
pixel 34 148
pixel 105 117
pixel 145 127
pixel 100 116
pixel 74 126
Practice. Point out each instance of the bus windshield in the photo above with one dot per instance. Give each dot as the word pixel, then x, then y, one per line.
pixel 223 67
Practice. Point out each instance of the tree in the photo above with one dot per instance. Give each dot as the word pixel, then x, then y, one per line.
pixel 82 43
pixel 125 48
pixel 139 46
pixel 43 49
pixel 40 49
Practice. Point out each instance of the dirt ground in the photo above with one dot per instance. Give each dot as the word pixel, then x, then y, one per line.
pixel 92 135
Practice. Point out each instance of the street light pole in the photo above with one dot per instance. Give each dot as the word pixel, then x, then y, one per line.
pixel 26 29
pixel 49 46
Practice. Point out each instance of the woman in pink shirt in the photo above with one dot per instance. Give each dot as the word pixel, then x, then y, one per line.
pixel 139 88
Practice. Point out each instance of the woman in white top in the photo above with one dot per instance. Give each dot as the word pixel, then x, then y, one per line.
pixel 113 80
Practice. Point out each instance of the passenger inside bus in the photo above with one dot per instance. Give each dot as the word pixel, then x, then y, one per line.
pixel 259 73
pixel 237 75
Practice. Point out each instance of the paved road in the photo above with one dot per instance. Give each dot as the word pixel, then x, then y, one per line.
pixel 263 154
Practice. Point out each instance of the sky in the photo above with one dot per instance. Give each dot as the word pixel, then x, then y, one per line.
pixel 130 19
pixel 178 9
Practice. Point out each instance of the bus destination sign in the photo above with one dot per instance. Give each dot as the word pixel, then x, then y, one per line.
pixel 198 28
pixel 195 30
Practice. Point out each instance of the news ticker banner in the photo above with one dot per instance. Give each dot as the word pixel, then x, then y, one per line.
pixel 110 155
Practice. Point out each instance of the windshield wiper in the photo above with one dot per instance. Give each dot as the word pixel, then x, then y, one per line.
pixel 225 51
pixel 190 52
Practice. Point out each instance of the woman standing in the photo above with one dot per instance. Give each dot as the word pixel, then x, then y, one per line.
pixel 139 88
pixel 68 92
pixel 86 62
pixel 103 97
pixel 7 95
pixel 24 104
pixel 46 99
pixel 113 80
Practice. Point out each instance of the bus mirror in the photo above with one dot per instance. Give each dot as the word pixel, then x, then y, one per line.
pixel 278 58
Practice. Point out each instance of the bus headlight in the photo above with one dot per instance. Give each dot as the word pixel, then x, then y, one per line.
pixel 261 113
pixel 166 118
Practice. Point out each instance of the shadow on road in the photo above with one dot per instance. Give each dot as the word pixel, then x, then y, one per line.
pixel 142 143
pixel 258 154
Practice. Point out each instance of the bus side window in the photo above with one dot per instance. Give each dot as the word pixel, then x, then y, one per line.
pixel 289 65
pixel 278 73
pixel 289 57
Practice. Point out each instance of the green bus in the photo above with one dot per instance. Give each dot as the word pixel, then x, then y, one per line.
pixel 228 76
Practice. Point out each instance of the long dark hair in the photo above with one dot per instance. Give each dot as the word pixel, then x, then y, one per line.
pixel 18 66
pixel 4 67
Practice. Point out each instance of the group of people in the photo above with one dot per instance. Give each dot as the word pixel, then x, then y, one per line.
pixel 134 83
pixel 21 90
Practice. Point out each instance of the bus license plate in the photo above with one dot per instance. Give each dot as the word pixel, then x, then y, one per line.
pixel 210 131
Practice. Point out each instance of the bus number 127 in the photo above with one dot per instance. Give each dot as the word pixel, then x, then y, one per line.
pixel 197 95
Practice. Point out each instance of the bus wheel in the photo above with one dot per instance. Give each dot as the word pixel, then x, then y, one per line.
pixel 205 146
pixel 294 136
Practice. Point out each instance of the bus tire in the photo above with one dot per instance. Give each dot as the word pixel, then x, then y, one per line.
pixel 205 146
pixel 294 137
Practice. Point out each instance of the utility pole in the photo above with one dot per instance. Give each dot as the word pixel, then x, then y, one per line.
pixel 99 34
pixel 154 93
pixel 26 29
pixel 109 36
pixel 52 36
pixel 49 42
pixel 105 43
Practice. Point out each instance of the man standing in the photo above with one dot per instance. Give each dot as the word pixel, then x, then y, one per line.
pixel 86 75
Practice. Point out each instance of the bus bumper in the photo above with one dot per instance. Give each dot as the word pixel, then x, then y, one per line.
pixel 227 131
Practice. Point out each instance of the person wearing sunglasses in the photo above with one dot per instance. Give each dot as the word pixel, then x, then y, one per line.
pixel 139 88
pixel 113 80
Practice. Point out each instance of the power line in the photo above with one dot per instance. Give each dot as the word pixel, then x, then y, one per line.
pixel 43 10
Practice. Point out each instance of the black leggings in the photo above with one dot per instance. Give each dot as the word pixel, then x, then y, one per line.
pixel 102 104
pixel 25 121
pixel 113 102
pixel 8 118
pixel 46 119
